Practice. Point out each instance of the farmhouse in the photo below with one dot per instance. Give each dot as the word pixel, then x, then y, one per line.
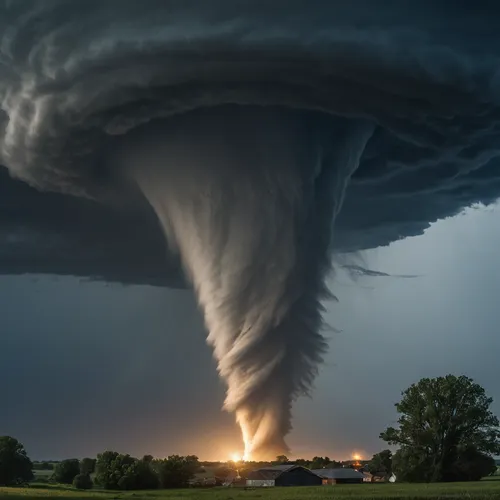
pixel 339 476
pixel 283 475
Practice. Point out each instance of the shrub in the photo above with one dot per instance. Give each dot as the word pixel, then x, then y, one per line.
pixel 66 471
pixel 82 482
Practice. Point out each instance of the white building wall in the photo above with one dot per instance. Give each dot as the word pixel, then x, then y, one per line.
pixel 260 482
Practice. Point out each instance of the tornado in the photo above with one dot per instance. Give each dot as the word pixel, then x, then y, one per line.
pixel 249 204
pixel 240 148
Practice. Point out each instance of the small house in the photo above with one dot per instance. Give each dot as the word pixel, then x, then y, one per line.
pixel 377 477
pixel 339 476
pixel 283 475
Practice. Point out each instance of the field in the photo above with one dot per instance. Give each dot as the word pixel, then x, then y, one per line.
pixel 483 490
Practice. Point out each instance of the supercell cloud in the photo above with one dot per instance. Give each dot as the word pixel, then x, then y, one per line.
pixel 262 137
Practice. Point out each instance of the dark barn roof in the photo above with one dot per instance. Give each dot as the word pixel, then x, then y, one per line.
pixel 271 472
pixel 286 475
pixel 340 473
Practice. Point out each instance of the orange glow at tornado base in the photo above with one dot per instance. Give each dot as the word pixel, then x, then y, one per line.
pixel 236 457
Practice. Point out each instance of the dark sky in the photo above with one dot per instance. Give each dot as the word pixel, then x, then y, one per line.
pixel 93 367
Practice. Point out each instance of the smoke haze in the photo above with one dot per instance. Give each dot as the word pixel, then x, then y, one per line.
pixel 244 127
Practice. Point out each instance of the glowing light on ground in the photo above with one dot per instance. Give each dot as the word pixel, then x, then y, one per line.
pixel 357 457
pixel 236 457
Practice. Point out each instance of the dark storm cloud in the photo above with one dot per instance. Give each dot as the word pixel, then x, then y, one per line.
pixel 245 125
pixel 74 72
pixel 51 233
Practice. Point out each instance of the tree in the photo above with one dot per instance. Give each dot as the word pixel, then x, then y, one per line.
pixel 87 465
pixel 411 465
pixel 139 476
pixel 473 465
pixel 176 471
pixel 281 460
pixel 110 468
pixel 222 473
pixel 320 462
pixel 302 461
pixel 65 471
pixel 381 464
pixel 82 482
pixel 104 470
pixel 123 472
pixel 445 427
pixel 15 466
pixel 145 475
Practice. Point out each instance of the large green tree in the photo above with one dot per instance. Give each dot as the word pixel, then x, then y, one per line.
pixel 15 466
pixel 446 431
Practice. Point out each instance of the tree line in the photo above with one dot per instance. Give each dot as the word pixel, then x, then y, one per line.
pixel 116 471
pixel 110 470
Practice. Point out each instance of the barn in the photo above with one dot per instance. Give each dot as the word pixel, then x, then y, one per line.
pixel 283 475
pixel 339 476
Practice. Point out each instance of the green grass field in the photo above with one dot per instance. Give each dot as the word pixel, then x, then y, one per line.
pixel 483 490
